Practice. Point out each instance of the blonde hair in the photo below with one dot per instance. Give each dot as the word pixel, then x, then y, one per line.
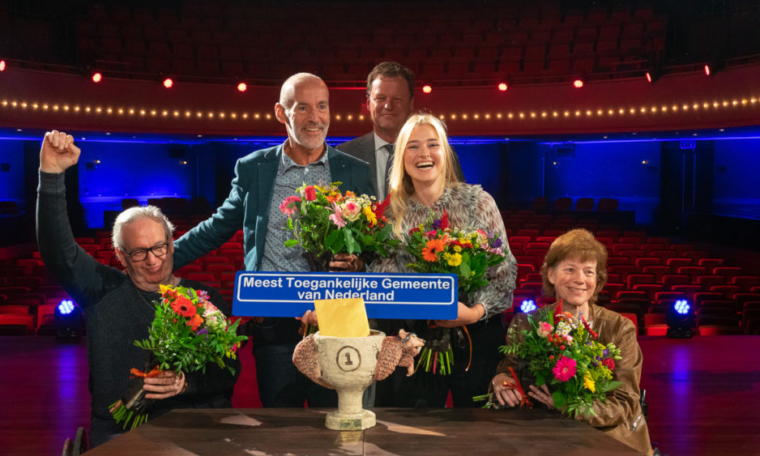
pixel 399 182
pixel 579 244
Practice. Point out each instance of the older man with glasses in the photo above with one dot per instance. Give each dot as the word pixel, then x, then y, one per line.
pixel 118 307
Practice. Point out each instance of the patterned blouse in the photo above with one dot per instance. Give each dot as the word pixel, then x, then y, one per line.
pixel 469 206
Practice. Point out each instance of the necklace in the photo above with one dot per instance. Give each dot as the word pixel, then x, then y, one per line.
pixel 172 281
pixel 140 294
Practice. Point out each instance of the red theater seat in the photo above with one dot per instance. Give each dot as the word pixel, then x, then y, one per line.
pixel 709 325
pixel 746 282
pixel 728 272
pixel 635 279
pixel 689 290
pixel 727 290
pixel 16 325
pixel 624 270
pixel 692 271
pixel 695 255
pixel 14 309
pixel 681 248
pixel 710 263
pixel 702 296
pixel 658 271
pixel 676 263
pixel 643 262
pixel 647 248
pixel 655 324
pixel 650 289
pixel 708 281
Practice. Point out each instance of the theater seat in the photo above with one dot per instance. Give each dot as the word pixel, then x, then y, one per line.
pixel 656 324
pixel 16 325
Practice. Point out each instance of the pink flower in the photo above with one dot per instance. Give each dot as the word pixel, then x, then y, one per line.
pixel 544 329
pixel 309 193
pixel 288 205
pixel 337 217
pixel 351 211
pixel 609 363
pixel 565 369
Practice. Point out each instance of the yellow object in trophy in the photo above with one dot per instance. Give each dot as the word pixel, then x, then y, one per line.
pixel 342 317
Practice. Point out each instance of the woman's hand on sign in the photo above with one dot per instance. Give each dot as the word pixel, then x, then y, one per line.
pixel 309 318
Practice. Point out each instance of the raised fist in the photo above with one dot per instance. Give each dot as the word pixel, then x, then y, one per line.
pixel 58 152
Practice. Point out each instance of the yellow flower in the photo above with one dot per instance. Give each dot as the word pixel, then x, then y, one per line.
pixel 588 383
pixel 371 217
pixel 457 248
pixel 446 256
pixel 164 288
pixel 455 260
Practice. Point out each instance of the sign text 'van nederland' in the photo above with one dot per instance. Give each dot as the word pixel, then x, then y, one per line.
pixel 290 294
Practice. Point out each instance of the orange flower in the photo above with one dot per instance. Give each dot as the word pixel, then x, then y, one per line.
pixel 350 193
pixel 184 307
pixel 433 246
pixel 195 322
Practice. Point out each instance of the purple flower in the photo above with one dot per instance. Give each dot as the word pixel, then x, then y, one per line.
pixel 496 243
pixel 202 331
pixel 436 224
pixel 605 353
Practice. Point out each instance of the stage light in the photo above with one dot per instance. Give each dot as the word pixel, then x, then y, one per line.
pixel 2 65
pixel 503 86
pixel 242 87
pixel 528 306
pixel 649 77
pixel 97 77
pixel 69 320
pixel 168 83
pixel 578 83
pixel 680 319
pixel 707 70
pixel 427 89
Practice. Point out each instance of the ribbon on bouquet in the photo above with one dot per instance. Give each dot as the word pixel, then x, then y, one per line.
pixel 138 373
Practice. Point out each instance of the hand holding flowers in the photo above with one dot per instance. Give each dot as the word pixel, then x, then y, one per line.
pixel 439 248
pixel 563 354
pixel 326 221
pixel 188 332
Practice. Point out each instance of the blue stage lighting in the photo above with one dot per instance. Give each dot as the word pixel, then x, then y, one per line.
pixel 527 306
pixel 682 306
pixel 66 307
pixel 69 320
pixel 680 319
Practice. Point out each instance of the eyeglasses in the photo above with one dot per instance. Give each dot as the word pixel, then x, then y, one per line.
pixel 141 254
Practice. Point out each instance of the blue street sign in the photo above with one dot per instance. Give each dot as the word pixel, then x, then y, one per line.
pixel 290 294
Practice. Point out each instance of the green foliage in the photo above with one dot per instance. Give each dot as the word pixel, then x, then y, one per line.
pixel 469 253
pixel 571 340
pixel 179 346
pixel 335 222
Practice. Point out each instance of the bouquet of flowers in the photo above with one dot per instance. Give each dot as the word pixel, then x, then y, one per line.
pixel 439 248
pixel 326 222
pixel 187 333
pixel 563 352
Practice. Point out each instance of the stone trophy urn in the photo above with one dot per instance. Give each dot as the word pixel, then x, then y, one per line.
pixel 349 365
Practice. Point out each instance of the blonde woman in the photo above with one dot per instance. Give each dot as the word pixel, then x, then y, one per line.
pixel 422 180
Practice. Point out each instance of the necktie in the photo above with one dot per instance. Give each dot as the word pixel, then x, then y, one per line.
pixel 388 165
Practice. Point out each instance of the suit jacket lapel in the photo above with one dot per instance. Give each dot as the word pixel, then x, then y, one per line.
pixel 265 176
pixel 340 171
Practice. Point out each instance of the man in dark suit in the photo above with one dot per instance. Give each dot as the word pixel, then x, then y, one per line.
pixel 262 180
pixel 390 100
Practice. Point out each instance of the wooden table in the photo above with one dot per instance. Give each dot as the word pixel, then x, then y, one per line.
pixel 440 432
